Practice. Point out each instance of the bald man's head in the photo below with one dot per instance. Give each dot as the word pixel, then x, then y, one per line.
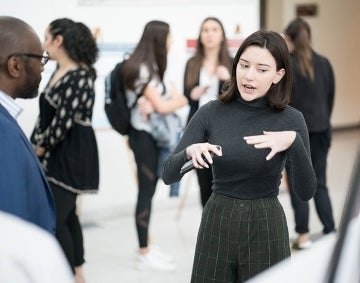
pixel 20 74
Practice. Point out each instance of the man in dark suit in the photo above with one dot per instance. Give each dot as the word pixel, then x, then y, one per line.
pixel 24 190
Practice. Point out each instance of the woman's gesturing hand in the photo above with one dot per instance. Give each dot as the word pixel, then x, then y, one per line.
pixel 200 153
pixel 277 141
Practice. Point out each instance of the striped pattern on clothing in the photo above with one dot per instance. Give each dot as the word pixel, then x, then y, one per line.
pixel 10 105
pixel 238 239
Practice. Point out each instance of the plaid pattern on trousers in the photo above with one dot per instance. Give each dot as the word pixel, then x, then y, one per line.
pixel 238 239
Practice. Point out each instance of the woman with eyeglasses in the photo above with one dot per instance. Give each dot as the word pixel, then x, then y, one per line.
pixel 63 137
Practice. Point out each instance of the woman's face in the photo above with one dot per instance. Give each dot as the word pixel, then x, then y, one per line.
pixel 211 34
pixel 51 45
pixel 256 72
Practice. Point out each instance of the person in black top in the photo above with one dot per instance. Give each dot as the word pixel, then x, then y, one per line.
pixel 205 74
pixel 313 94
pixel 243 228
pixel 63 136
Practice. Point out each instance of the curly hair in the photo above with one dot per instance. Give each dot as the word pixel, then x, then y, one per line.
pixel 78 41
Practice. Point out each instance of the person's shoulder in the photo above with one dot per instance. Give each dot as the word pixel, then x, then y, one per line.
pixel 213 106
pixel 321 58
pixel 292 114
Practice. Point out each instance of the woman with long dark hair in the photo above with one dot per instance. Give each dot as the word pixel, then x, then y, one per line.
pixel 205 73
pixel 143 74
pixel 313 93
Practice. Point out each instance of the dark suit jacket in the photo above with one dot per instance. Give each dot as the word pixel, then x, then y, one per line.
pixel 24 190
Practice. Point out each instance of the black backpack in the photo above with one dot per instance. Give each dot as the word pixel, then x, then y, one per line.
pixel 116 108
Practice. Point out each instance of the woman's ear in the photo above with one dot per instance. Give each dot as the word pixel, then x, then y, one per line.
pixel 59 39
pixel 279 75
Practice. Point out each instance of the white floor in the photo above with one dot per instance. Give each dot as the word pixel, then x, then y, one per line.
pixel 109 228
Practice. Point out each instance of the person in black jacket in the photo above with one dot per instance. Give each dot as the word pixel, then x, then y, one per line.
pixel 313 94
pixel 205 74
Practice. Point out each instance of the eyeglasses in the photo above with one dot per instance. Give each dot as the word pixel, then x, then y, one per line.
pixel 44 58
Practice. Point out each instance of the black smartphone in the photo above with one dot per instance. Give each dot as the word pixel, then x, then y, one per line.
pixel 188 166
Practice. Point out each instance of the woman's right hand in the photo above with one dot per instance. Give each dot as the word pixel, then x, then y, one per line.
pixel 196 151
pixel 145 106
pixel 197 92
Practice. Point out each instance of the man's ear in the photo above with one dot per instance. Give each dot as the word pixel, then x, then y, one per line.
pixel 14 66
pixel 279 75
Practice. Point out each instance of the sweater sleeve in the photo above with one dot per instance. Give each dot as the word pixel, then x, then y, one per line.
pixel 301 175
pixel 195 132
pixel 331 94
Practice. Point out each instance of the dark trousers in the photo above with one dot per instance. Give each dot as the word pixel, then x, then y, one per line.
pixel 205 179
pixel 146 157
pixel 319 146
pixel 238 239
pixel 68 229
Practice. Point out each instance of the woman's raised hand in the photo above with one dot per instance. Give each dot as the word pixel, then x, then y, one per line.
pixel 277 141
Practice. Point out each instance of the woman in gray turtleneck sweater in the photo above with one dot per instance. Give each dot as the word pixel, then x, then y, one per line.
pixel 243 229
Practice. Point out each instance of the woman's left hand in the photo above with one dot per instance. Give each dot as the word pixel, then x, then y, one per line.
pixel 277 141
pixel 222 73
pixel 144 105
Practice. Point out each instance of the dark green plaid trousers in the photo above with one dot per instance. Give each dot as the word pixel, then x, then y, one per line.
pixel 238 239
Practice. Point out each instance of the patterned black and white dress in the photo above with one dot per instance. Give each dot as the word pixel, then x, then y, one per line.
pixel 64 129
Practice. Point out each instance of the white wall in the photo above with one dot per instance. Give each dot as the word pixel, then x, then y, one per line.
pixel 122 21
pixel 335 33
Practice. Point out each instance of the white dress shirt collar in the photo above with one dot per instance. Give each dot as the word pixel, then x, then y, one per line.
pixel 10 105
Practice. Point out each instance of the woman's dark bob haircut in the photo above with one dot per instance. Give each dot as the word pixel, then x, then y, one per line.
pixel 279 94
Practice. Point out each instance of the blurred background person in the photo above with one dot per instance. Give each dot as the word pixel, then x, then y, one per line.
pixel 205 74
pixel 143 75
pixel 63 136
pixel 313 94
pixel 29 254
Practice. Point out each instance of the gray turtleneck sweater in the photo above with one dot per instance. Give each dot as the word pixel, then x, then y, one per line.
pixel 242 171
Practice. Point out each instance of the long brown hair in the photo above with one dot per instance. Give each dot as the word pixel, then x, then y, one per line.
pixel 151 51
pixel 195 63
pixel 299 33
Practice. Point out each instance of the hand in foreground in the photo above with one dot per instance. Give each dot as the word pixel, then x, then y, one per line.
pixel 195 152
pixel 277 141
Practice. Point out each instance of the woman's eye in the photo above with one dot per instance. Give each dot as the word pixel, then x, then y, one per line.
pixel 243 66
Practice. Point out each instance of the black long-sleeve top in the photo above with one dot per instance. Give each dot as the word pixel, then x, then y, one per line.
pixel 242 171
pixel 64 129
pixel 314 98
